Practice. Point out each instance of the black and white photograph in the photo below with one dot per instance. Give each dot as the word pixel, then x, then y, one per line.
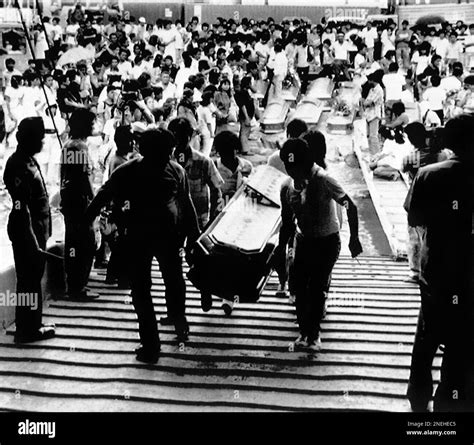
pixel 237 207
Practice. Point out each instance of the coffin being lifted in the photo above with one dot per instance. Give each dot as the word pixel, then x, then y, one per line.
pixel 232 258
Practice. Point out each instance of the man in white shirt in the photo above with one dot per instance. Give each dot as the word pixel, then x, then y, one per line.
pixel 280 69
pixel 183 74
pixel 435 96
pixel 393 83
pixel 441 44
pixel 262 49
pixel 453 83
pixel 360 60
pixel 469 48
pixel 169 88
pixel 125 66
pixel 341 54
pixel 341 49
pixel 9 72
pixel 369 34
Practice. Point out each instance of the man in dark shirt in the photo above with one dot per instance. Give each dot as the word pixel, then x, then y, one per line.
pixel 160 217
pixel 76 194
pixel 440 203
pixel 29 227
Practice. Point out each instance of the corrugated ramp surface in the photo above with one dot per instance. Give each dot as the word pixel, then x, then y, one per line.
pixel 230 364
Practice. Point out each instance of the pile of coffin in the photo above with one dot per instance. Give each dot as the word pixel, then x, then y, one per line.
pixel 232 258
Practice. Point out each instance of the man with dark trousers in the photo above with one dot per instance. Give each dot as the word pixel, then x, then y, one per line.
pixel 440 204
pixel 29 227
pixel 76 194
pixel 161 216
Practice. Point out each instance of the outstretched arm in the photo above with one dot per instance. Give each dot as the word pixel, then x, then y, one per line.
pixel 352 217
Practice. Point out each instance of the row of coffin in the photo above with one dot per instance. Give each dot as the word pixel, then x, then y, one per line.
pixel 322 95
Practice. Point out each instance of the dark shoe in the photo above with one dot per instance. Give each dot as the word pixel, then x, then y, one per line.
pixel 419 406
pixel 101 264
pixel 167 321
pixel 43 333
pixel 85 295
pixel 147 356
pixel 182 330
pixel 123 285
pixel 227 307
pixel 206 302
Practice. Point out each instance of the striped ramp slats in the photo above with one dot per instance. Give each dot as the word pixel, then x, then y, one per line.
pixel 240 363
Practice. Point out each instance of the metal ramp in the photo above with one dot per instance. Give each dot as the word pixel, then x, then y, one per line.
pixel 241 363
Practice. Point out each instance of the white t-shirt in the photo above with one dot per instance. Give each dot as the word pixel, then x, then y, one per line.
pixel 169 92
pixel 441 47
pixel 435 97
pixel 340 50
pixel 205 119
pixel 421 62
pixel 280 64
pixel 358 61
pixel 369 36
pixel 393 83
pixel 263 49
pixel 451 83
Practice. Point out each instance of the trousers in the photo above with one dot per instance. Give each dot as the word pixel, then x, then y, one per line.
pixel 79 251
pixel 438 324
pixel 29 269
pixel 167 254
pixel 313 263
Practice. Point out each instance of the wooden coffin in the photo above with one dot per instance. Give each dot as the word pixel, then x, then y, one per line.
pixel 309 110
pixel 274 116
pixel 321 89
pixel 232 258
pixel 339 123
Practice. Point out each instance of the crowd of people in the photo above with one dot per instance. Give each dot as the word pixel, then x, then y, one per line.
pixel 151 129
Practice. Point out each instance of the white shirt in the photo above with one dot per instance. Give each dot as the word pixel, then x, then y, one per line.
pixel 182 77
pixel 451 83
pixel 125 68
pixel 441 47
pixel 263 49
pixel 137 70
pixel 169 92
pixel 393 83
pixel 280 64
pixel 435 97
pixel 369 36
pixel 358 61
pixel 340 50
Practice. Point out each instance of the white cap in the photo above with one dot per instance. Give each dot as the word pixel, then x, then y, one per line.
pixel 142 20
